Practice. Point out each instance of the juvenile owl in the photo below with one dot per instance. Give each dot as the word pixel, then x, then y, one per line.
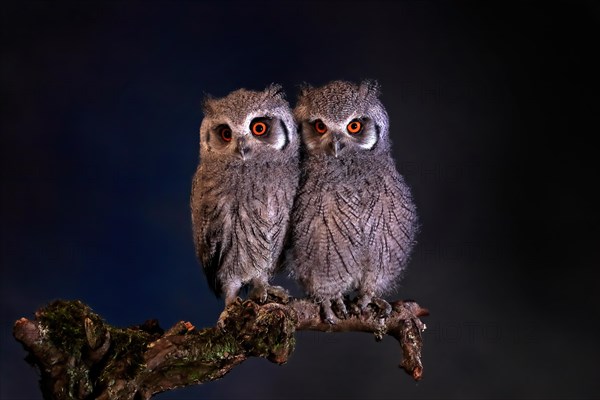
pixel 243 189
pixel 354 221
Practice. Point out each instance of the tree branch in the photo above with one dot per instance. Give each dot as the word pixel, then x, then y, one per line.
pixel 80 356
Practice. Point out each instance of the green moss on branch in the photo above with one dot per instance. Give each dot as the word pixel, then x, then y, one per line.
pixel 80 356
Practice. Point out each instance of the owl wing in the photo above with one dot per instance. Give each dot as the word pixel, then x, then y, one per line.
pixel 390 228
pixel 209 254
pixel 208 248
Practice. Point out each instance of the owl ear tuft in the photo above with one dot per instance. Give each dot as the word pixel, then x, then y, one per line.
pixel 207 104
pixel 275 90
pixel 304 89
pixel 369 88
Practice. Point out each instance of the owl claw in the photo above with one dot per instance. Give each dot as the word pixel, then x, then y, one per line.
pixel 259 294
pixel 382 307
pixel 230 301
pixel 221 321
pixel 339 308
pixel 279 294
pixel 385 308
pixel 327 313
pixel 333 309
pixel 262 292
pixel 354 309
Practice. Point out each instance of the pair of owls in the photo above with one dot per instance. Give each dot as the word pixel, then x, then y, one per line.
pixel 315 186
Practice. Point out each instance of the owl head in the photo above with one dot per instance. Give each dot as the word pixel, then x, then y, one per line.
pixel 342 118
pixel 248 125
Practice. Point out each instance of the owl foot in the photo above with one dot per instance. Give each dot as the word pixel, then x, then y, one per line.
pixel 382 307
pixel 221 321
pixel 278 294
pixel 333 309
pixel 262 292
pixel 354 309
pixel 231 300
pixel 340 308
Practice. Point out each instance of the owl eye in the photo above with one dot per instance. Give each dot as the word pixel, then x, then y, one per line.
pixel 320 127
pixel 259 128
pixel 225 133
pixel 354 127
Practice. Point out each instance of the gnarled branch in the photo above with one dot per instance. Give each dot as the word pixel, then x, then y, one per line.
pixel 80 356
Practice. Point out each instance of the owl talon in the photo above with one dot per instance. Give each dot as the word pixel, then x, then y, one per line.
pixel 259 294
pixel 221 321
pixel 327 313
pixel 339 308
pixel 333 310
pixel 279 294
pixel 382 308
pixel 354 309
pixel 262 292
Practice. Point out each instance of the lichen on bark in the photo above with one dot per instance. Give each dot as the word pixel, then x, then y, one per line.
pixel 81 356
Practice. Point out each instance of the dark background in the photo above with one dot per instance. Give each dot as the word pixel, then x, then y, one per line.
pixel 493 110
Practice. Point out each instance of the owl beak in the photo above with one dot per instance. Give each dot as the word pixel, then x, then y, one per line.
pixel 242 148
pixel 336 145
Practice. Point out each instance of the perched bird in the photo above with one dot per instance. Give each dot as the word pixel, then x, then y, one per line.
pixel 243 190
pixel 354 221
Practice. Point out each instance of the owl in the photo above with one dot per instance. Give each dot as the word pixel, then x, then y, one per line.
pixel 354 221
pixel 243 190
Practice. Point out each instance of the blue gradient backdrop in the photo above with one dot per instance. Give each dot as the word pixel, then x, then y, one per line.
pixel 492 108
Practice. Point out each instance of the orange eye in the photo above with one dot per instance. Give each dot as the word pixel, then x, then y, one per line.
pixel 259 128
pixel 354 127
pixel 225 133
pixel 320 127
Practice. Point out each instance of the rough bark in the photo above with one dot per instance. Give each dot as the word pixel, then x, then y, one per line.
pixel 80 356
